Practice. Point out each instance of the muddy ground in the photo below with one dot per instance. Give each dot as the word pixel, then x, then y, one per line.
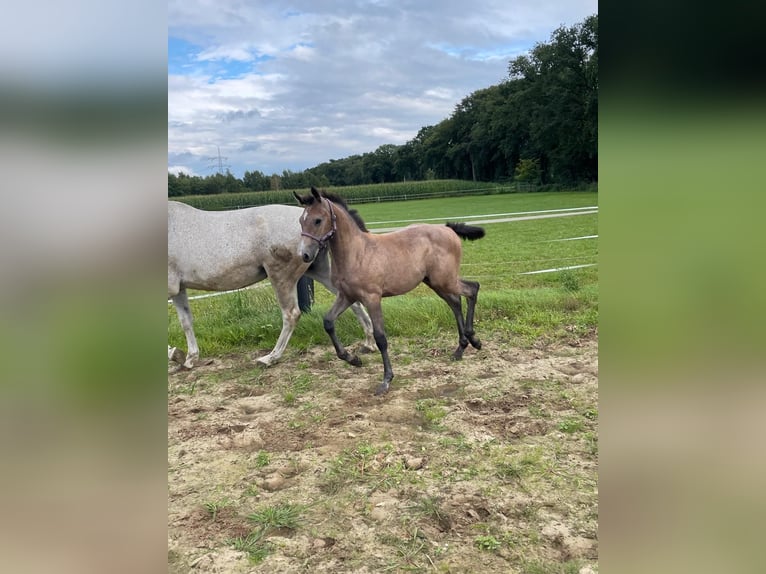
pixel 484 465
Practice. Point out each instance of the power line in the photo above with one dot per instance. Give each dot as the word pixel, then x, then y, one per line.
pixel 220 165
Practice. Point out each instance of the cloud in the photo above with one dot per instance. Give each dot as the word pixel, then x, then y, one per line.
pixel 288 89
pixel 176 169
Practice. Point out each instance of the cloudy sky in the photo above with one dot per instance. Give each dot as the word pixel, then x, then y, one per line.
pixel 278 85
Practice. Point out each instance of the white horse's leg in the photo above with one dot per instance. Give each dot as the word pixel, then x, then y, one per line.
pixel 287 296
pixel 369 345
pixel 181 303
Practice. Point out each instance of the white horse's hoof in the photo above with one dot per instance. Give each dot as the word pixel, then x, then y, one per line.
pixel 266 361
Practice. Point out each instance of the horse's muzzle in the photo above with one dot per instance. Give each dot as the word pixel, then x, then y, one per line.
pixel 307 250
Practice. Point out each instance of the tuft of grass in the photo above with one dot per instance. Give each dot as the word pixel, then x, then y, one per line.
pixel 283 515
pixel 571 425
pixel 487 543
pixel 215 506
pixel 253 545
pixel 569 280
pixel 262 459
pixel 431 412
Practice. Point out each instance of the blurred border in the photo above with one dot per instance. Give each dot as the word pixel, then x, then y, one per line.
pixel 83 158
pixel 682 144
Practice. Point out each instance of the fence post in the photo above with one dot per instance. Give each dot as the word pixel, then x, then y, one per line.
pixel 305 293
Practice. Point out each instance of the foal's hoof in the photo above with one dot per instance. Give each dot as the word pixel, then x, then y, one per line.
pixel 355 361
pixel 382 389
pixel 475 343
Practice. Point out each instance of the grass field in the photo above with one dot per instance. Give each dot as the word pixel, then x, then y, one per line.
pixel 526 306
pixel 485 465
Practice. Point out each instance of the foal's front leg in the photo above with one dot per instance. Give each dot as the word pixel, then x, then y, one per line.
pixel 341 304
pixel 376 315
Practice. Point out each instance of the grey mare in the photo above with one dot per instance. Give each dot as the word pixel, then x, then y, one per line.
pixel 223 250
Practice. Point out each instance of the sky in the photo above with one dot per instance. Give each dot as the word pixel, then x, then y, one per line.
pixel 269 86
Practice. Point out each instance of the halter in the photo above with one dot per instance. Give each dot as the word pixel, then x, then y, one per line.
pixel 323 240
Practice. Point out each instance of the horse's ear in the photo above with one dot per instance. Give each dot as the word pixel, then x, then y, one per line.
pixel 315 192
pixel 303 199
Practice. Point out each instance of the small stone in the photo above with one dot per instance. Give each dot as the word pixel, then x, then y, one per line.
pixel 319 543
pixel 413 462
pixel 379 514
pixel 273 482
pixel 203 562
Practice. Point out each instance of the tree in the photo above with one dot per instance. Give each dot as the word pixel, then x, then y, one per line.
pixel 559 92
pixel 528 170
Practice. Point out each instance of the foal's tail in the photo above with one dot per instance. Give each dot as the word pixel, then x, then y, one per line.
pixel 470 232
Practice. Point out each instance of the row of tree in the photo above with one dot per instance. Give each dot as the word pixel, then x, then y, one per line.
pixel 538 126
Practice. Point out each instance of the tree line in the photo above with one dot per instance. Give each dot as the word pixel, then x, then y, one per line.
pixel 539 126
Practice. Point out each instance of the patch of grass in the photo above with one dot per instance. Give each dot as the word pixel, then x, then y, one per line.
pixel 517 467
pixel 456 444
pixel 431 412
pixel 301 383
pixel 253 545
pixel 262 459
pixel 215 506
pixel 487 543
pixel 591 440
pixel 590 413
pixel 571 425
pixel 252 490
pixel 410 552
pixel 283 515
pixel 569 280
pixel 364 464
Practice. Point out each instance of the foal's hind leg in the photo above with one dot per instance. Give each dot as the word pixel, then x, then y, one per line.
pixel 454 302
pixel 470 290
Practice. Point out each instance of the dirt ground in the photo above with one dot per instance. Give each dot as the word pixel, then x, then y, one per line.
pixel 484 465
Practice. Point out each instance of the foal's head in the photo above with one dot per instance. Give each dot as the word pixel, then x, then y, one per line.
pixel 318 222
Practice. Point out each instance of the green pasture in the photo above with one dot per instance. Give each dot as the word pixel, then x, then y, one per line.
pixel 520 308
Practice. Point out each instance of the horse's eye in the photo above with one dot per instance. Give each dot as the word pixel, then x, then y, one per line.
pixel 317 221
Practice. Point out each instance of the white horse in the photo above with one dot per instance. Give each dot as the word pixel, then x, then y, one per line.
pixel 224 250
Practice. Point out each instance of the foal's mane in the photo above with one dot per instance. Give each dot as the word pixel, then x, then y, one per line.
pixel 338 200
